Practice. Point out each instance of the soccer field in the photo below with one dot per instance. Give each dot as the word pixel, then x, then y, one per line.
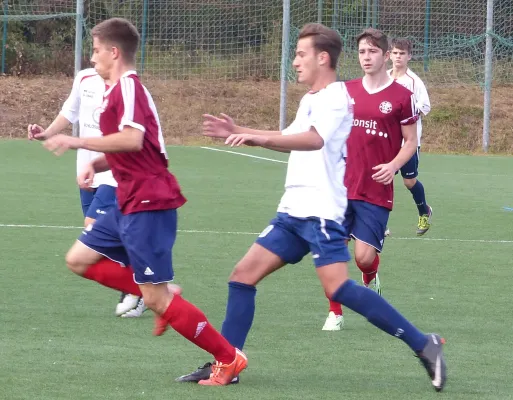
pixel 60 339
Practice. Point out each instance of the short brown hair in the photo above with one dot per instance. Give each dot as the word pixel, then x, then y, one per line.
pixel 402 44
pixel 120 33
pixel 375 37
pixel 323 39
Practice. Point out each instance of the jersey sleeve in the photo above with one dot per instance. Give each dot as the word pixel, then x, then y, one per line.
pixel 409 113
pixel 294 127
pixel 289 130
pixel 71 107
pixel 422 102
pixel 132 111
pixel 333 111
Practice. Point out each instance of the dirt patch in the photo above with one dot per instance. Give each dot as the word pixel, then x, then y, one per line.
pixel 454 125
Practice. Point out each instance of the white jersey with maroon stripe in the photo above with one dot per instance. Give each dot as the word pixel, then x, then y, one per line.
pixel 412 82
pixel 83 106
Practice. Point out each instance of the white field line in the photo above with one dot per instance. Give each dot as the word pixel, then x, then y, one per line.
pixel 257 233
pixel 285 162
pixel 244 155
pixel 202 231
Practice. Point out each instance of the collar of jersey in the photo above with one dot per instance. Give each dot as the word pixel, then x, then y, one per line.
pixel 406 73
pixel 127 73
pixel 377 90
pixel 317 91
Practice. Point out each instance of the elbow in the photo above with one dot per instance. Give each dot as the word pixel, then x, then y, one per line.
pixel 131 139
pixel 136 142
pixel 318 143
pixel 136 146
pixel 315 140
pixel 411 143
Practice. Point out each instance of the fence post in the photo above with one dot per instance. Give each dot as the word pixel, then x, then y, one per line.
pixel 143 34
pixel 4 35
pixel 285 47
pixel 79 36
pixel 335 17
pixel 368 12
pixel 427 21
pixel 488 75
pixel 78 46
pixel 319 11
pixel 375 11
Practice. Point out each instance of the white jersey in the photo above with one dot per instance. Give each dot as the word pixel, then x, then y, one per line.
pixel 314 186
pixel 411 81
pixel 83 105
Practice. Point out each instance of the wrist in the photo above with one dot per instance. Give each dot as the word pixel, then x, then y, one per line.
pixel 92 165
pixel 394 166
pixel 238 129
pixel 267 141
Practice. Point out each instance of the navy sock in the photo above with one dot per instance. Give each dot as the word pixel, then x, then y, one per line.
pixel 378 312
pixel 417 191
pixel 240 311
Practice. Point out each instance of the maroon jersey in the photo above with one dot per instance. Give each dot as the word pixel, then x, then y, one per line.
pixel 144 182
pixel 375 138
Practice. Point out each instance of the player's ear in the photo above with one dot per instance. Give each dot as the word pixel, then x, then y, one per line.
pixel 116 53
pixel 323 58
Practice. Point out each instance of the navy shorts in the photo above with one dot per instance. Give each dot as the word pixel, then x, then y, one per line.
pixel 143 240
pixel 97 202
pixel 410 170
pixel 292 239
pixel 366 222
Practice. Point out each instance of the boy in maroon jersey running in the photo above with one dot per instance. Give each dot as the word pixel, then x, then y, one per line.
pixel 141 231
pixel 384 115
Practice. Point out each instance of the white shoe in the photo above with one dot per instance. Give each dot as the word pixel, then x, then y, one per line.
pixel 375 284
pixel 333 322
pixel 137 311
pixel 387 232
pixel 126 303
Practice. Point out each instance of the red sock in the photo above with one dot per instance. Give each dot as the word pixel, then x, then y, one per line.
pixel 192 324
pixel 335 307
pixel 111 274
pixel 369 273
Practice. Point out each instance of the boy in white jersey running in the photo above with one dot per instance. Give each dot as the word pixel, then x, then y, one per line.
pixel 83 106
pixel 311 212
pixel 401 52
